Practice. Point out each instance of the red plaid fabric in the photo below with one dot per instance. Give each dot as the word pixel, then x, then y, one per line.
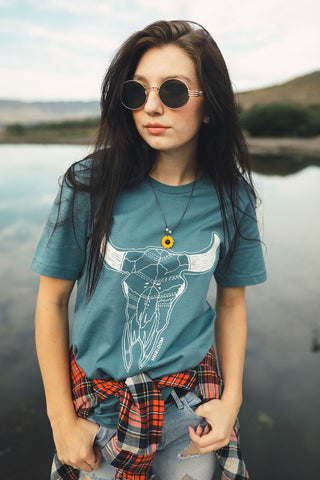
pixel 131 450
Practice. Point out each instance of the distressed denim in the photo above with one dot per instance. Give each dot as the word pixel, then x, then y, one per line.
pixel 169 462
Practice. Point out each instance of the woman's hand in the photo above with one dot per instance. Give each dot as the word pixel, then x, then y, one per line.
pixel 74 441
pixel 221 416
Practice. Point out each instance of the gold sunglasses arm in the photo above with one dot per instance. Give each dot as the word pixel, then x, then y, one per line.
pixel 191 93
pixel 195 93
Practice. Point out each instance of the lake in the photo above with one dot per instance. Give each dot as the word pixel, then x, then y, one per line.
pixel 280 416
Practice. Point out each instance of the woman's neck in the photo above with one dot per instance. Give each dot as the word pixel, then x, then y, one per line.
pixel 174 171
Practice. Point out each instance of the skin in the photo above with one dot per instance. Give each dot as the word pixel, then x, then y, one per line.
pixel 176 164
pixel 73 436
pixel 231 337
pixel 176 161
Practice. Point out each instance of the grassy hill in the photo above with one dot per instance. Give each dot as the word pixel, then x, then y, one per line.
pixel 303 91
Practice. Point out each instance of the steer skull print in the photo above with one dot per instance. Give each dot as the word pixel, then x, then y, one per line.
pixel 153 281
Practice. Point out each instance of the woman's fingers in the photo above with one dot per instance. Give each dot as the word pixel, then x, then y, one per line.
pixel 220 416
pixel 207 440
pixel 84 467
pixel 91 462
pixel 76 445
pixel 96 462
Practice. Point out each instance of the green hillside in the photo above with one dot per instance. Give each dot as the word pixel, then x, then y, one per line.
pixel 303 91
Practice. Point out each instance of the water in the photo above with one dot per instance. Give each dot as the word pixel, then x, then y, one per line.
pixel 282 377
pixel 280 414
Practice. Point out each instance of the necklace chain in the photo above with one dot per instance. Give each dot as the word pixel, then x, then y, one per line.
pixel 167 230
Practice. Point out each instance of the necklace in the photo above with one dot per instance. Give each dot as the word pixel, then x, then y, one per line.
pixel 167 240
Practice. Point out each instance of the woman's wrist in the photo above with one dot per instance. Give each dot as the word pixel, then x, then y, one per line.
pixel 232 398
pixel 63 414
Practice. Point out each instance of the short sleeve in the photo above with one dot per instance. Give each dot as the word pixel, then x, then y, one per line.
pixel 61 252
pixel 247 266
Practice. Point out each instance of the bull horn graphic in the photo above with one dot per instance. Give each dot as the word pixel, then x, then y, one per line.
pixel 153 281
pixel 202 262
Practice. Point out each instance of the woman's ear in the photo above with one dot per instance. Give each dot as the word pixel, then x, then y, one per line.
pixel 206 118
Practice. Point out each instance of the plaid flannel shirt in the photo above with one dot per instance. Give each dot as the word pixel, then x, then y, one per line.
pixel 132 448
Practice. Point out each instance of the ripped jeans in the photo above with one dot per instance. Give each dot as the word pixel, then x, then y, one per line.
pixel 169 462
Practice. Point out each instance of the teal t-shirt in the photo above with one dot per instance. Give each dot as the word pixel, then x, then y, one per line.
pixel 149 311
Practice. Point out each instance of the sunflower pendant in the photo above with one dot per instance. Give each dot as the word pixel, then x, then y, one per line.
pixel 167 241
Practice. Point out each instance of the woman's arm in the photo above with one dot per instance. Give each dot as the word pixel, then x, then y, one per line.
pixel 73 436
pixel 231 338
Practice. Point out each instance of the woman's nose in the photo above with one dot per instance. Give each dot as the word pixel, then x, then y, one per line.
pixel 153 104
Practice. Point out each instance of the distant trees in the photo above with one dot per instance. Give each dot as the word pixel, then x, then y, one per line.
pixel 68 131
pixel 281 120
pixel 67 125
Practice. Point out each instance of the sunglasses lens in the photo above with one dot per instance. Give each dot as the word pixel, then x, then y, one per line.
pixel 174 93
pixel 133 95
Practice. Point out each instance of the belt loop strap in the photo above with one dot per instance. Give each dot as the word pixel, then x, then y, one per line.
pixel 176 399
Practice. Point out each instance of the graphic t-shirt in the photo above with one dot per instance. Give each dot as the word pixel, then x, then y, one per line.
pixel 149 311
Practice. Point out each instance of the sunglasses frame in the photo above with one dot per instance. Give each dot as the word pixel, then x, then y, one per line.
pixel 191 93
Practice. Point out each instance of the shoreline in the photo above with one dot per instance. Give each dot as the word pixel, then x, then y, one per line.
pixel 285 147
pixel 258 146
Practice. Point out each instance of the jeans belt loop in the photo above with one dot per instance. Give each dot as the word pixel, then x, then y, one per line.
pixel 176 399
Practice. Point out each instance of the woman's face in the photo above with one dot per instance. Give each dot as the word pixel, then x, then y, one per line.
pixel 163 128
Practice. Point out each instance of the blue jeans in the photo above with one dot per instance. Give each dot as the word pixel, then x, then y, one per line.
pixel 169 462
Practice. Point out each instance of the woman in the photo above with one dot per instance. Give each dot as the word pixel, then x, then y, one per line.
pixel 164 202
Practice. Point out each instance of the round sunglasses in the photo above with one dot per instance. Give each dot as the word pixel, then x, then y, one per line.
pixel 173 93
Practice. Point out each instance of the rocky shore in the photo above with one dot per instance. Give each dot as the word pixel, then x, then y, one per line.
pixel 298 147
pixel 303 148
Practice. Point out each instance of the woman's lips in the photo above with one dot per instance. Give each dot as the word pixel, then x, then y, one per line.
pixel 156 128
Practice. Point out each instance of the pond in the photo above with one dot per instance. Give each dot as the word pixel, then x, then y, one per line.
pixel 280 414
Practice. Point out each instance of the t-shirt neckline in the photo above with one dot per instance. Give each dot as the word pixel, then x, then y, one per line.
pixel 163 187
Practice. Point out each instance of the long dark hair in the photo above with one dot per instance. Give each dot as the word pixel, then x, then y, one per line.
pixel 122 159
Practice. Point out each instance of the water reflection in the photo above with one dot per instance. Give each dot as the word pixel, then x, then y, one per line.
pixel 280 414
pixel 315 344
pixel 281 165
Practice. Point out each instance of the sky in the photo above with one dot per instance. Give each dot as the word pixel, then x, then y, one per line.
pixel 60 49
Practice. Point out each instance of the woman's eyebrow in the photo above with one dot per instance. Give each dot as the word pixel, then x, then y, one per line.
pixel 167 77
pixel 139 77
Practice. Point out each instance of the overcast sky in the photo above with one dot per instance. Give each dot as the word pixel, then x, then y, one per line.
pixel 60 49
